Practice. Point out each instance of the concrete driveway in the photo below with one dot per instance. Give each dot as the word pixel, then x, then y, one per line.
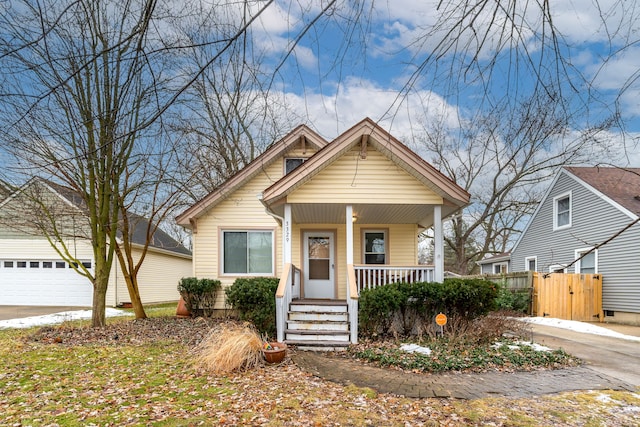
pixel 19 311
pixel 615 357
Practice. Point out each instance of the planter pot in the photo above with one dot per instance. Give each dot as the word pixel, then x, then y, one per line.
pixel 277 352
pixel 182 310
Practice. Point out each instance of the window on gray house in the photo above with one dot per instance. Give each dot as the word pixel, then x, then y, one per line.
pixel 562 211
pixel 587 265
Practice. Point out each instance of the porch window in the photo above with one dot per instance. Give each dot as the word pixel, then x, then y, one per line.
pixel 588 264
pixel 375 246
pixel 530 263
pixel 562 211
pixel 247 252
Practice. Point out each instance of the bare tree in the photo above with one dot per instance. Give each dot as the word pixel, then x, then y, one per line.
pixel 79 86
pixel 226 117
pixel 501 158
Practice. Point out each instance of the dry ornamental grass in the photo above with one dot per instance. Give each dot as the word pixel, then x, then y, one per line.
pixel 230 347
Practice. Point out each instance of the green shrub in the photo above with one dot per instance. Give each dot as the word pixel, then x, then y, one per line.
pixel 254 299
pixel 514 299
pixel 199 295
pixel 409 308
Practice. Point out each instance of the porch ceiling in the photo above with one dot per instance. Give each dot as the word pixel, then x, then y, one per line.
pixel 327 213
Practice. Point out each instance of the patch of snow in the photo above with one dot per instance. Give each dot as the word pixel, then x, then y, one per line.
pixel 586 328
pixel 604 398
pixel 55 318
pixel 519 344
pixel 415 348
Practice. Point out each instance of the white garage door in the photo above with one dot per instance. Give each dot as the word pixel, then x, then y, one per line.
pixel 43 282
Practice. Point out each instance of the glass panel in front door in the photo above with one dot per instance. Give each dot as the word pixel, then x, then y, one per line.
pixel 319 258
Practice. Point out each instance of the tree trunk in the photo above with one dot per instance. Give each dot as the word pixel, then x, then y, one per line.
pixel 98 317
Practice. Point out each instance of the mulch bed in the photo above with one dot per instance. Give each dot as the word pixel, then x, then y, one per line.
pixel 189 331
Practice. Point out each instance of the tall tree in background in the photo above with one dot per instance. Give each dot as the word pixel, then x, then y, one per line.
pixel 501 158
pixel 227 116
pixel 79 86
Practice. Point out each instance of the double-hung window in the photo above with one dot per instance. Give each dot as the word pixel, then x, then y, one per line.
pixel 588 264
pixel 375 246
pixel 562 211
pixel 531 263
pixel 247 252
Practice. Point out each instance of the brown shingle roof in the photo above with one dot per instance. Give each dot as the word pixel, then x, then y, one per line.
pixel 622 185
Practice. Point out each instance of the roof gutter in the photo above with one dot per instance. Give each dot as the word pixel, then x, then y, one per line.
pixel 268 211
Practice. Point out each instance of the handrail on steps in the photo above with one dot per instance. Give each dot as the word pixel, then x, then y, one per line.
pixel 352 303
pixel 288 289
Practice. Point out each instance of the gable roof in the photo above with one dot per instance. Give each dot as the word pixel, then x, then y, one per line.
pixel 505 256
pixel 383 142
pixel 618 186
pixel 621 185
pixel 160 239
pixel 301 134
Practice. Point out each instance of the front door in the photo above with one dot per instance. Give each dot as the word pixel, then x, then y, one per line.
pixel 319 264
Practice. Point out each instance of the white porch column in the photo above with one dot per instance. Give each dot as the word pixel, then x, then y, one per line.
pixel 286 235
pixel 438 254
pixel 349 225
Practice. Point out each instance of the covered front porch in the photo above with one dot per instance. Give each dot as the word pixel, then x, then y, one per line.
pixel 332 252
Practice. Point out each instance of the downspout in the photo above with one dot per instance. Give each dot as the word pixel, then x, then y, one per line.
pixel 278 218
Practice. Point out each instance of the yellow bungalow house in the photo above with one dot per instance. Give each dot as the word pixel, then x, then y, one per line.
pixel 327 218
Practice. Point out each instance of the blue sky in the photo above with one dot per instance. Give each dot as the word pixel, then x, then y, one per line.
pixel 596 38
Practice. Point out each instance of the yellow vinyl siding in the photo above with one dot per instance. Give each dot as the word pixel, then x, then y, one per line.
pixel 241 210
pixel 403 247
pixel 157 280
pixel 402 244
pixel 375 179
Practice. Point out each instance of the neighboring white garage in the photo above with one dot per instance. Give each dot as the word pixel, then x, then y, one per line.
pixel 32 272
pixel 43 282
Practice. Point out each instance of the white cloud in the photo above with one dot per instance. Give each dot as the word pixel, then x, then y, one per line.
pixel 354 99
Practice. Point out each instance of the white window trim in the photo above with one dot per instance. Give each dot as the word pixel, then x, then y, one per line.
pixel 555 210
pixel 505 263
pixel 535 263
pixel 284 163
pixel 578 263
pixel 554 267
pixel 221 271
pixel 384 231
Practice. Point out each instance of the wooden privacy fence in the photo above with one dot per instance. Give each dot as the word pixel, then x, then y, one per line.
pixel 559 295
pixel 568 296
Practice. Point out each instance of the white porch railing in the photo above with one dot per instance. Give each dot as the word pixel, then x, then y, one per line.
pixel 371 276
pixel 288 289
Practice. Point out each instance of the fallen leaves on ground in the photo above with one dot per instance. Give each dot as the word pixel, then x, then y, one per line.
pixel 145 376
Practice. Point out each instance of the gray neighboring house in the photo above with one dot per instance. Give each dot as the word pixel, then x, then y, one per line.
pixel 583 208
pixel 496 264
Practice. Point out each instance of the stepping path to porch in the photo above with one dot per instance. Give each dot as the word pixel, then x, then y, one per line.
pixel 460 386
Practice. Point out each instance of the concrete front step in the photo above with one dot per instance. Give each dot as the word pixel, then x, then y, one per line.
pixel 315 325
pixel 318 308
pixel 316 335
pixel 318 316
pixel 327 345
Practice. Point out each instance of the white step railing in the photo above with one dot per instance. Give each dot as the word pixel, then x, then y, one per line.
pixel 288 289
pixel 371 276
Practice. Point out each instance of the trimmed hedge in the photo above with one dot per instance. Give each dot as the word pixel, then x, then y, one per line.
pixel 199 295
pixel 254 298
pixel 409 308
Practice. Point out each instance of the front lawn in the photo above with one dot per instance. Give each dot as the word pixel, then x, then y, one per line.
pixel 141 373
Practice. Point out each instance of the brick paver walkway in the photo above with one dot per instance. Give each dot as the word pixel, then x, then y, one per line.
pixel 460 386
